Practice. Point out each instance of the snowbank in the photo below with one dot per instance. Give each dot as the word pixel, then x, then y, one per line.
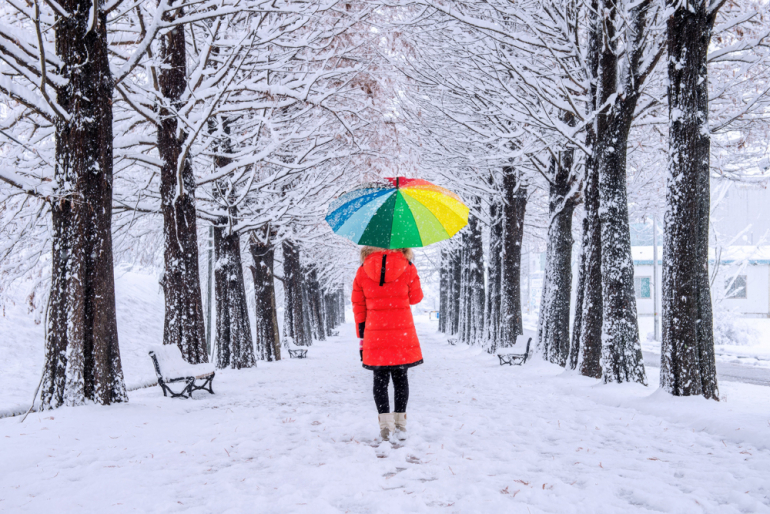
pixel 140 311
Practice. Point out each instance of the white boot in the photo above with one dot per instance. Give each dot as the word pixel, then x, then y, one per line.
pixel 399 419
pixel 387 425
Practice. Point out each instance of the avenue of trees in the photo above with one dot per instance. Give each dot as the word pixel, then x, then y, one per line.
pixel 551 111
pixel 143 121
pixel 159 132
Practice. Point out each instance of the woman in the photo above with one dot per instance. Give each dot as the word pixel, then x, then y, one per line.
pixel 384 288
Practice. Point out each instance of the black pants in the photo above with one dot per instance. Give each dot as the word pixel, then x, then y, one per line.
pixel 400 386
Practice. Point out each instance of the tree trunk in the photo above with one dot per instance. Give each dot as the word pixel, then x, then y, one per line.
pixel 233 342
pixel 341 306
pixel 574 350
pixel 443 291
pixel 553 322
pixel 267 334
pixel 307 310
pixel 515 195
pixel 591 310
pixel 494 275
pixel 687 352
pixel 474 282
pixel 456 281
pixel 586 350
pixel 332 312
pixel 183 325
pixel 315 305
pixel 82 356
pixel 293 322
pixel 621 350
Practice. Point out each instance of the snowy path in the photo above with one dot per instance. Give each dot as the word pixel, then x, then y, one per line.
pixel 297 436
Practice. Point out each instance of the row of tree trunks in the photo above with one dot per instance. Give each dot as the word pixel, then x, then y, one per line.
pixel 494 319
pixel 553 322
pixel 82 356
pixel 335 310
pixel 515 198
pixel 268 341
pixel 449 289
pixel 687 353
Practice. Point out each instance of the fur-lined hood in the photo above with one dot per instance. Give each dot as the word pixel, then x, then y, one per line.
pixel 366 251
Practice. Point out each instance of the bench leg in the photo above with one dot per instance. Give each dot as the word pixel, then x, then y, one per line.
pixel 189 388
pixel 206 386
pixel 182 394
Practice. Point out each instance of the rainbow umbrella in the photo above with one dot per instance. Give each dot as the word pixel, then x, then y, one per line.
pixel 397 213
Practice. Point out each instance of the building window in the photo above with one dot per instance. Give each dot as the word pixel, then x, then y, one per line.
pixel 642 287
pixel 736 288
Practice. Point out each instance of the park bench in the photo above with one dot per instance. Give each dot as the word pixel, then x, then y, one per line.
pixel 515 358
pixel 170 368
pixel 297 354
pixel 452 341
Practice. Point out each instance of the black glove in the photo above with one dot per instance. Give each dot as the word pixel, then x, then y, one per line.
pixel 361 327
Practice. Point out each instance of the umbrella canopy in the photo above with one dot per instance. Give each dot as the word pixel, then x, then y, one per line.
pixel 397 213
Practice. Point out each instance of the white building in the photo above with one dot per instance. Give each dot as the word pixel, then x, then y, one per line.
pixel 741 279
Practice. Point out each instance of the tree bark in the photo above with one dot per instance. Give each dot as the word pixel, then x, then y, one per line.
pixel 443 289
pixel 307 309
pixel 82 356
pixel 574 350
pixel 515 195
pixel 183 325
pixel 590 328
pixel 293 317
pixel 474 297
pixel 233 342
pixel 315 305
pixel 586 350
pixel 687 352
pixel 621 350
pixel 553 322
pixel 341 306
pixel 455 290
pixel 494 275
pixel 268 340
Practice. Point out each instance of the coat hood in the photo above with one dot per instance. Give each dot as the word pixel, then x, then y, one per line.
pixel 395 265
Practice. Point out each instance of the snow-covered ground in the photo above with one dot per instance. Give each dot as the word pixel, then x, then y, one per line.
pixel 754 352
pixel 298 436
pixel 140 311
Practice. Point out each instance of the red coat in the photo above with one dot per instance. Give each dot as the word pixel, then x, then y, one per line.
pixel 381 305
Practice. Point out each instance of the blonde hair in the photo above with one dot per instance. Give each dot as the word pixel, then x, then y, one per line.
pixel 366 251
